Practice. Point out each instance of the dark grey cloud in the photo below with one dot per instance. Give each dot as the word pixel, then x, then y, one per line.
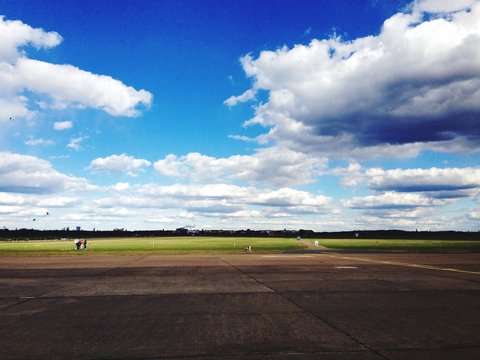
pixel 444 188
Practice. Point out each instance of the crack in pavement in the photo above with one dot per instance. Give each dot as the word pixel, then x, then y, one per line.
pixel 303 309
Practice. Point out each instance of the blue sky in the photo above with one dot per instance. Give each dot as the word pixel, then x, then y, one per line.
pixel 326 115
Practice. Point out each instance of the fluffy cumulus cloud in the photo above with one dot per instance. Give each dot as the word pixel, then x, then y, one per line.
pixel 119 164
pixel 83 88
pixel 15 207
pixel 205 192
pixel 416 83
pixel 151 206
pixel 31 175
pixel 425 180
pixel 435 6
pixel 120 186
pixel 278 166
pixel 408 197
pixel 436 182
pixel 62 84
pixel 220 199
pixel 62 125
pixel 15 34
pixel 391 200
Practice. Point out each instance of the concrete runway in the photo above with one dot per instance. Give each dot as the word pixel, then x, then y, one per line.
pixel 290 306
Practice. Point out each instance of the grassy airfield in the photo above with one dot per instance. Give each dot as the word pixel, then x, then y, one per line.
pixel 161 245
pixel 221 245
pixel 399 244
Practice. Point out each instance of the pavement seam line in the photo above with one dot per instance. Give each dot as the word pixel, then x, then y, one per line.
pixel 13 305
pixel 398 263
pixel 303 309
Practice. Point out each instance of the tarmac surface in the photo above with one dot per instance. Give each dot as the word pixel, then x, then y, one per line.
pixel 288 306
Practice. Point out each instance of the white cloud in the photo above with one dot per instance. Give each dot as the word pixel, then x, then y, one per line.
pixel 208 191
pixel 209 199
pixel 435 182
pixel 378 93
pixel 435 6
pixel 424 180
pixel 62 125
pixel 53 157
pixel 278 166
pixel 121 186
pixel 246 96
pixel 12 199
pixel 171 165
pixel 58 201
pixel 119 163
pixel 210 205
pixel 6 209
pixel 353 175
pixel 408 198
pixel 13 107
pixel 287 197
pixel 232 196
pixel 34 142
pixel 242 138
pixel 160 219
pixel 75 143
pixel 473 215
pixel 15 34
pixel 31 175
pixel 18 205
pixel 391 200
pixel 65 85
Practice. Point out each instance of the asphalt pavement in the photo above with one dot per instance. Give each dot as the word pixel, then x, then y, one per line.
pixel 283 306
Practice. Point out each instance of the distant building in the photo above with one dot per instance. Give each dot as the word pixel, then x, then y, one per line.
pixel 78 228
pixel 182 231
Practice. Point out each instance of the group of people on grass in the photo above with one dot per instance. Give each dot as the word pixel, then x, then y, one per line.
pixel 80 244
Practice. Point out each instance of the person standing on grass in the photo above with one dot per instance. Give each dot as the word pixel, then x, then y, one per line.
pixel 85 243
pixel 77 244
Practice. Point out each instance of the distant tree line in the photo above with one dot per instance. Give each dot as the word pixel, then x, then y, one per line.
pixel 34 234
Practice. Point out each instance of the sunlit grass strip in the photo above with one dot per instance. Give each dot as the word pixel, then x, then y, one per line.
pixel 220 245
pixel 161 245
pixel 398 244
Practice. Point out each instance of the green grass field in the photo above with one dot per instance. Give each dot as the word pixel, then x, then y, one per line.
pixel 220 245
pixel 399 244
pixel 161 245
